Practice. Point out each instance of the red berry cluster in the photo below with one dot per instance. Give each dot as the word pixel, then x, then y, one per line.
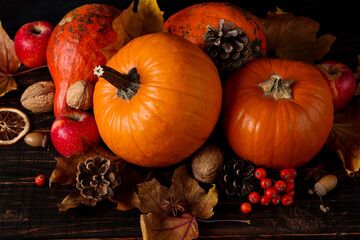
pixel 282 191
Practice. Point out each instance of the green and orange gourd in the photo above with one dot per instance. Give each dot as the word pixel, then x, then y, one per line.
pixel 74 48
pixel 229 34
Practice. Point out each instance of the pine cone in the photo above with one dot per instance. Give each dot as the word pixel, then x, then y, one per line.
pixel 237 176
pixel 96 178
pixel 228 47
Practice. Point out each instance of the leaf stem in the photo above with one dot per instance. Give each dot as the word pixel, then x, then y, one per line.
pixel 29 70
pixel 224 220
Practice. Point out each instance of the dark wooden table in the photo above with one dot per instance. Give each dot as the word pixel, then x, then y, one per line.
pixel 28 211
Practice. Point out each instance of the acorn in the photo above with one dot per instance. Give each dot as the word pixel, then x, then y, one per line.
pixel 325 184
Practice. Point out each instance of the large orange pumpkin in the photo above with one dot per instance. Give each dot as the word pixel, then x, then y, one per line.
pixel 213 25
pixel 74 48
pixel 277 113
pixel 165 104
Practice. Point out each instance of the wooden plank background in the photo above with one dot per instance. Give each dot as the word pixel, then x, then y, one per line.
pixel 28 211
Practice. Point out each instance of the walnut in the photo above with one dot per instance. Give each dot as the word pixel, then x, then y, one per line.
pixel 79 95
pixel 39 97
pixel 207 163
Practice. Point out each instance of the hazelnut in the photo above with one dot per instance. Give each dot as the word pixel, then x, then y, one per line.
pixel 207 163
pixel 39 97
pixel 79 95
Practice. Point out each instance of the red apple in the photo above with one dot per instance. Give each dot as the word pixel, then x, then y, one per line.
pixel 31 42
pixel 341 81
pixel 68 130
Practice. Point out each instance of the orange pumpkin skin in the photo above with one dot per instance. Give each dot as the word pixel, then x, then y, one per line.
pixel 271 133
pixel 191 23
pixel 74 48
pixel 173 112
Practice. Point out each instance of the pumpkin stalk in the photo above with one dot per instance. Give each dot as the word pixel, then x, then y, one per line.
pixel 127 84
pixel 277 88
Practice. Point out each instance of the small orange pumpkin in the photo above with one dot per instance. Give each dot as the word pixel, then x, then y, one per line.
pixel 229 34
pixel 165 104
pixel 277 113
pixel 74 48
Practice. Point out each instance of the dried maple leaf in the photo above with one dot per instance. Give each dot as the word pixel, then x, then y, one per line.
pixel 345 138
pixel 125 195
pixel 9 63
pixel 295 38
pixel 185 194
pixel 129 25
pixel 66 169
pixel 73 200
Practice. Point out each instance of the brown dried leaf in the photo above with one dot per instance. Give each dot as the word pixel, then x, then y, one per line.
pixel 295 38
pixel 129 25
pixel 75 199
pixel 66 167
pixel 345 138
pixel 157 224
pixel 9 63
pixel 125 195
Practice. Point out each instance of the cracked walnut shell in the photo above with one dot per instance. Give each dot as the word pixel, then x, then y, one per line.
pixel 39 97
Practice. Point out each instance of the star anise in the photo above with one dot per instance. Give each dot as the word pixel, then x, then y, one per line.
pixel 173 206
pixel 315 172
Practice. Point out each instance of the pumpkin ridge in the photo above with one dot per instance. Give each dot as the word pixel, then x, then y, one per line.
pixel 294 135
pixel 187 74
pixel 177 91
pixel 173 125
pixel 131 124
pixel 192 113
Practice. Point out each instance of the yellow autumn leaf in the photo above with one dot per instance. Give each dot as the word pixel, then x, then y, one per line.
pixel 9 63
pixel 147 19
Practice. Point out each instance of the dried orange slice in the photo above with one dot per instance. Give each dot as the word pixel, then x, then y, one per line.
pixel 14 124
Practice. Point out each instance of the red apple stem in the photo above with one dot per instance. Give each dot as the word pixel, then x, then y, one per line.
pixel 29 70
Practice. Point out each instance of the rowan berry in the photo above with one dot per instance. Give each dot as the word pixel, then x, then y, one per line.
pixel 40 180
pixel 285 174
pixel 287 200
pixel 265 183
pixel 260 173
pixel 246 207
pixel 280 185
pixel 254 197
pixel 271 193
pixel 265 201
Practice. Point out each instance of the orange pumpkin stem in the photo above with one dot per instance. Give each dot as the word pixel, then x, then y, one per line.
pixel 277 88
pixel 127 84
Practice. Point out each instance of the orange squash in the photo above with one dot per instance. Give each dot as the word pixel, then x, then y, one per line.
pixel 277 113
pixel 195 22
pixel 165 104
pixel 74 48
